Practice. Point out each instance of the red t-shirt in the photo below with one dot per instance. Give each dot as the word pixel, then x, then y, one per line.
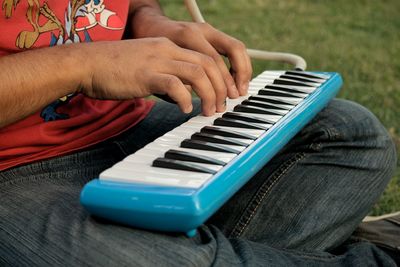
pixel 75 121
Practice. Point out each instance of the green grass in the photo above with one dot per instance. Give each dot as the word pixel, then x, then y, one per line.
pixel 360 39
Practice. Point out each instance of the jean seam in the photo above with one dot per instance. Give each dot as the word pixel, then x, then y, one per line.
pixel 310 254
pixel 260 195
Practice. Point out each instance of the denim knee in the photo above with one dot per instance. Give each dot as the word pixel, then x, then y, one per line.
pixel 348 123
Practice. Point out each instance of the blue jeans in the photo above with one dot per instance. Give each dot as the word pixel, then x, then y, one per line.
pixel 298 210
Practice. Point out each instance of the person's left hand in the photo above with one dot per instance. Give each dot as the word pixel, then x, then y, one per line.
pixel 202 38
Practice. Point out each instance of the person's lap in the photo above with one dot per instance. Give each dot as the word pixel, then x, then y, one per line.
pixel 310 197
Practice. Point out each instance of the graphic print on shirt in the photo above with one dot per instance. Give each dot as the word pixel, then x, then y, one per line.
pixel 80 16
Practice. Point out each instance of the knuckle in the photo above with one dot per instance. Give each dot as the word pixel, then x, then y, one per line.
pixel 171 82
pixel 239 45
pixel 229 79
pixel 205 26
pixel 207 61
pixel 163 41
pixel 217 58
pixel 197 71
pixel 186 31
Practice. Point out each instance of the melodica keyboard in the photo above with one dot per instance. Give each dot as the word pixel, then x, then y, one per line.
pixel 179 180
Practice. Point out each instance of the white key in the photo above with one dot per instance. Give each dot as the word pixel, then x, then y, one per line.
pixel 145 153
pixel 231 103
pixel 271 80
pixel 290 100
pixel 180 179
pixel 163 144
pixel 165 147
pixel 156 146
pixel 184 132
pixel 169 141
pixel 204 120
pixel 283 106
pixel 225 157
pixel 302 95
pixel 190 126
pixel 271 72
pixel 222 156
pixel 254 90
pixel 289 93
pixel 176 140
pixel 246 141
pixel 135 167
pixel 319 75
pixel 263 125
pixel 273 118
pixel 180 137
pixel 292 77
pixel 140 162
pixel 303 89
pixel 142 159
pixel 257 83
pixel 252 132
pixel 281 112
pixel 238 148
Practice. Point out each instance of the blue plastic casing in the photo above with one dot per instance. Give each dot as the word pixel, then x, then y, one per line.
pixel 183 210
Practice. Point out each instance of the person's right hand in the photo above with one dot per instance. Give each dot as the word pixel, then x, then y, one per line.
pixel 142 67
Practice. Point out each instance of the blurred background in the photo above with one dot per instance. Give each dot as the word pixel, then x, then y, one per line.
pixel 359 39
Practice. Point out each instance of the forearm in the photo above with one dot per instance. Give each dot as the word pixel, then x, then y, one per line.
pixel 33 79
pixel 141 14
pixel 136 5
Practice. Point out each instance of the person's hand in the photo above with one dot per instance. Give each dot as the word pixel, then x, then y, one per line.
pixel 203 38
pixel 142 67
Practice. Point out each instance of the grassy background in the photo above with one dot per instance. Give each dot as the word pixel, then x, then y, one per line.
pixel 360 39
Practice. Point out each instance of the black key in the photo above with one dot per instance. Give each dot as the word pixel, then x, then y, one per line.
pixel 188 156
pixel 180 165
pixel 261 104
pixel 275 93
pixel 246 117
pixel 300 79
pixel 272 101
pixel 307 74
pixel 227 133
pixel 285 89
pixel 217 139
pixel 239 124
pixel 202 145
pixel 287 82
pixel 256 110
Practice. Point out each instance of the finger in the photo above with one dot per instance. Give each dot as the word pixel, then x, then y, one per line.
pixel 211 69
pixel 200 44
pixel 188 87
pixel 196 76
pixel 237 55
pixel 165 84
